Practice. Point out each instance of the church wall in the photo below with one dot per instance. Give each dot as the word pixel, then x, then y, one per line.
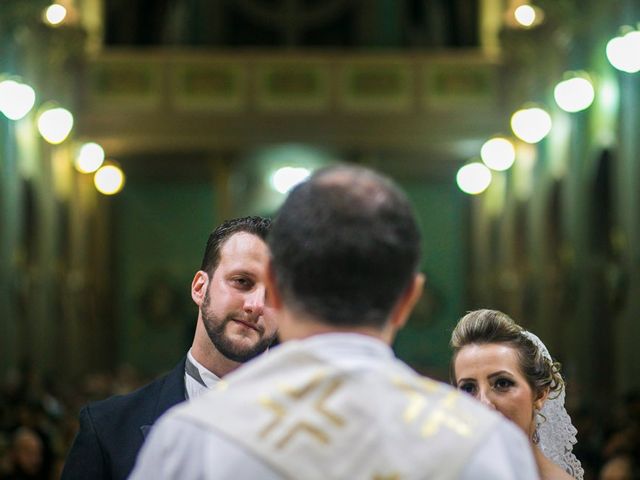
pixel 160 229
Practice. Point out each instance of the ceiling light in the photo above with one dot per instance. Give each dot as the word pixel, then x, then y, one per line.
pixel 285 178
pixel 55 14
pixel 525 15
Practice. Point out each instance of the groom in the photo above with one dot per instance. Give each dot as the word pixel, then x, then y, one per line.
pixel 234 325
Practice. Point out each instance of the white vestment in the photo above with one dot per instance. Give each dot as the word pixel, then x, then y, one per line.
pixel 333 406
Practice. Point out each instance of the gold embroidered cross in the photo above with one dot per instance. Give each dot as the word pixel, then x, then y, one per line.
pixel 304 410
pixel 393 476
pixel 442 414
pixel 445 416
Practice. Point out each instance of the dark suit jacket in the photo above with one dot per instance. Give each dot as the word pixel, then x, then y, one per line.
pixel 112 431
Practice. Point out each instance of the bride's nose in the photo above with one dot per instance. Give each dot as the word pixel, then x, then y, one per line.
pixel 485 399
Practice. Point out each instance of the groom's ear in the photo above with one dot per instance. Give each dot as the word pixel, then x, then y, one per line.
pixel 199 286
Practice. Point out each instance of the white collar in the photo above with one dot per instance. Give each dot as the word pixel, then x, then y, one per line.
pixel 350 347
pixel 209 378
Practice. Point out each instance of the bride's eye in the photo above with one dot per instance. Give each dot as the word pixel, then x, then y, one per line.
pixel 467 387
pixel 503 384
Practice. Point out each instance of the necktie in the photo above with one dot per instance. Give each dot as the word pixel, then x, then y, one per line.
pixel 193 372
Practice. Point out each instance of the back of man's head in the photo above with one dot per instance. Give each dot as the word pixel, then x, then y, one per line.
pixel 345 247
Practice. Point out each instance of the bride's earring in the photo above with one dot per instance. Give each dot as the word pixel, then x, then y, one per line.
pixel 535 438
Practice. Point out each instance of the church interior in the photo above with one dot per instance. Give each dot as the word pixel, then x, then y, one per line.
pixel 131 128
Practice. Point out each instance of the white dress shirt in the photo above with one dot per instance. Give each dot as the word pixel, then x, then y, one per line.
pixel 193 386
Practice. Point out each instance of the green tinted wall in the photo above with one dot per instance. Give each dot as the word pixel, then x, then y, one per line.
pixel 424 341
pixel 160 232
pixel 161 229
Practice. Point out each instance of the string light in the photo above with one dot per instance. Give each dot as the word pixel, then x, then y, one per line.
pixel 55 124
pixel 498 153
pixel 531 124
pixel 473 178
pixel 90 157
pixel 109 179
pixel 622 52
pixel 16 99
pixel 574 94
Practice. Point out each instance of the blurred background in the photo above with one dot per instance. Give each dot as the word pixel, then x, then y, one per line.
pixel 131 128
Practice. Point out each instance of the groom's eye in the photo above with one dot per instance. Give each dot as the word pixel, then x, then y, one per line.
pixel 242 283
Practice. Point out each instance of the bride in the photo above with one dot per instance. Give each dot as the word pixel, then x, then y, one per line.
pixel 510 370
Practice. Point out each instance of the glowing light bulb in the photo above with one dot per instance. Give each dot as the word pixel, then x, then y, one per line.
pixel 55 125
pixel 622 52
pixel 55 14
pixel 473 178
pixel 574 95
pixel 109 180
pixel 525 15
pixel 531 124
pixel 89 158
pixel 16 99
pixel 498 153
pixel 285 178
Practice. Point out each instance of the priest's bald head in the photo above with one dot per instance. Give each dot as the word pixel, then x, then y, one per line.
pixel 345 251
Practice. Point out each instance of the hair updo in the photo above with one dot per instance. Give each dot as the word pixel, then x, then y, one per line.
pixel 481 327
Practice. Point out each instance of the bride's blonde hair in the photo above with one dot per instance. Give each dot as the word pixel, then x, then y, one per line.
pixel 485 326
